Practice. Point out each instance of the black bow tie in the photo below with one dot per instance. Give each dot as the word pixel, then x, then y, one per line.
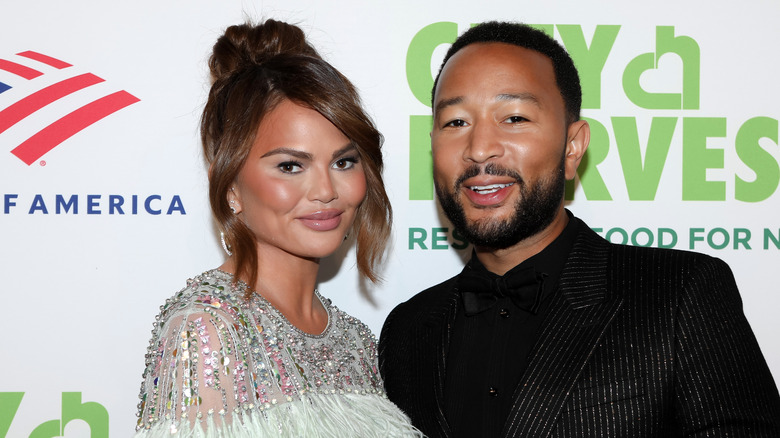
pixel 480 290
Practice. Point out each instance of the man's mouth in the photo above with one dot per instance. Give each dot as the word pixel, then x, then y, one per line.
pixel 492 188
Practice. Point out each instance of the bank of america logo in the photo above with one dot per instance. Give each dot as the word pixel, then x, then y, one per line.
pixel 32 72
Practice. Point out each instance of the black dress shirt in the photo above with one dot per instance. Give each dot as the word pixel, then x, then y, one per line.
pixel 488 352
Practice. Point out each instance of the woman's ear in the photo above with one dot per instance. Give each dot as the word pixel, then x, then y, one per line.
pixel 234 200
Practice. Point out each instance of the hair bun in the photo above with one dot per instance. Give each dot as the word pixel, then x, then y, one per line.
pixel 245 45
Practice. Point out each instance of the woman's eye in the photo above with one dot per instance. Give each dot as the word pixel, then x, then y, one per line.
pixel 345 163
pixel 290 167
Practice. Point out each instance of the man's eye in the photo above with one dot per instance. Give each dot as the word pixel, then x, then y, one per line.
pixel 457 123
pixel 516 119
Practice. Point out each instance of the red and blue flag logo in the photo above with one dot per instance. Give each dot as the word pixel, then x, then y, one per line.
pixel 30 69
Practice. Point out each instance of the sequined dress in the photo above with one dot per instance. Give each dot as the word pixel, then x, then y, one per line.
pixel 221 366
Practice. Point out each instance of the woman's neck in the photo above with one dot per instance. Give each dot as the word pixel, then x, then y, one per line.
pixel 288 282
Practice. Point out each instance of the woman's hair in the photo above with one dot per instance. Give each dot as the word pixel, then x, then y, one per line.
pixel 253 68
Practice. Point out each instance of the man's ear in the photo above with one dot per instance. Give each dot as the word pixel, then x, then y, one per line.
pixel 578 137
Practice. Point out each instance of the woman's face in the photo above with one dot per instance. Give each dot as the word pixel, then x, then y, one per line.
pixel 301 184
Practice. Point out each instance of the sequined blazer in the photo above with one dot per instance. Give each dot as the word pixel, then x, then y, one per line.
pixel 638 342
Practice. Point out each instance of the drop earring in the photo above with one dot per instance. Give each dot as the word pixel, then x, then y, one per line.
pixel 225 246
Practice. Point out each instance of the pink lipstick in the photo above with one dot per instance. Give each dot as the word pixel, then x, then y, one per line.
pixel 324 220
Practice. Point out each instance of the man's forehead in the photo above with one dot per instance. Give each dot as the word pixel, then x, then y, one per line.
pixel 490 55
pixel 506 71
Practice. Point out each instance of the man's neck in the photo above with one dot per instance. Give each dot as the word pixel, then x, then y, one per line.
pixel 499 261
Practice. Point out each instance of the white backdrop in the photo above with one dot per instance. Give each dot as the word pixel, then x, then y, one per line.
pixel 82 284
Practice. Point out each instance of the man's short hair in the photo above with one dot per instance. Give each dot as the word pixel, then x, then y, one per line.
pixel 523 35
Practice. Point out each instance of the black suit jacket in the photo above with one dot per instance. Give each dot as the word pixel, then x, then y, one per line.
pixel 638 342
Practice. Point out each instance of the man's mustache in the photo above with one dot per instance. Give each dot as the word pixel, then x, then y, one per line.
pixel 488 169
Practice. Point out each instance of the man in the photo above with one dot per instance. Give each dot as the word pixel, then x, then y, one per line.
pixel 550 330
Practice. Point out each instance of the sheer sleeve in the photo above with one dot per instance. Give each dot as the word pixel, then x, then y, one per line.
pixel 221 366
pixel 196 376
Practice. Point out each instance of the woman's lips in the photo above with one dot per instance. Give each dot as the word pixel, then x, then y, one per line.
pixel 325 220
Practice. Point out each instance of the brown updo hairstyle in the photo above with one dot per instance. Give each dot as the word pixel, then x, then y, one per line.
pixel 254 68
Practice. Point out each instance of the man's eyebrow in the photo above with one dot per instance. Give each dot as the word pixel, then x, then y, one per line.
pixel 288 151
pixel 524 97
pixel 440 105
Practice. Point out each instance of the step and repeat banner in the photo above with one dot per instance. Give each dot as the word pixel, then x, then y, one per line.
pixel 103 206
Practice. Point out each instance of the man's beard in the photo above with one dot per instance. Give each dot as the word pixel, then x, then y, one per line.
pixel 534 211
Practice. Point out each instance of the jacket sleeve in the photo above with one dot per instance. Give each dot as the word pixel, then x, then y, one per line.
pixel 386 353
pixel 723 386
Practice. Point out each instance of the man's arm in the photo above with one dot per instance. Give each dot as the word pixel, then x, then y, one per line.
pixel 723 386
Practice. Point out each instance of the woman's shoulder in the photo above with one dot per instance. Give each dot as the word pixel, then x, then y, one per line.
pixel 213 291
pixel 214 282
pixel 346 322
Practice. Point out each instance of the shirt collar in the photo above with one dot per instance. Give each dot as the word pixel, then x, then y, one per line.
pixel 548 261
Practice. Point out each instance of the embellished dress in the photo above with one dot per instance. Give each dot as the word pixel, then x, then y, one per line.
pixel 219 365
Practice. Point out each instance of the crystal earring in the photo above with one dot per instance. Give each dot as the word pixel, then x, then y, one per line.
pixel 225 246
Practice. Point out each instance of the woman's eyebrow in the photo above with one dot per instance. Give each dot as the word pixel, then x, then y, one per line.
pixel 348 148
pixel 288 151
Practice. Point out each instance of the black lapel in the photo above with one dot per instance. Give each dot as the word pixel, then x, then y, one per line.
pixel 577 318
pixel 439 326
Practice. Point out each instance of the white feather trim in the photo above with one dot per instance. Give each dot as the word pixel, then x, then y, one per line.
pixel 337 416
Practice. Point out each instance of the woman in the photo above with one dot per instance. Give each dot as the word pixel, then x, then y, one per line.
pixel 251 348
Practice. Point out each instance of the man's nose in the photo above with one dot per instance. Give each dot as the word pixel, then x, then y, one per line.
pixel 484 143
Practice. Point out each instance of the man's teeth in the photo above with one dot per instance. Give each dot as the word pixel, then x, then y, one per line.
pixel 486 190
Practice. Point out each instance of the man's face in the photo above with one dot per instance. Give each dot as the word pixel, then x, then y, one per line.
pixel 499 143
